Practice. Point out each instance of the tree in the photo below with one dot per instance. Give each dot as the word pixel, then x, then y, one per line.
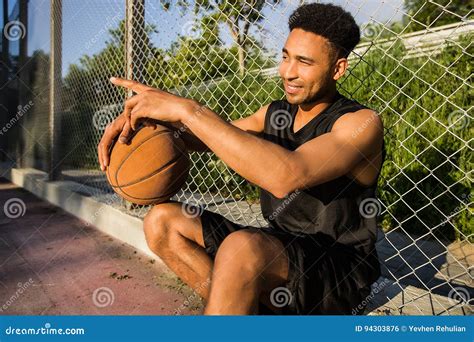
pixel 422 14
pixel 238 15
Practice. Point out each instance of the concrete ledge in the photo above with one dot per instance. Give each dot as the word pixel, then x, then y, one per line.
pixel 73 198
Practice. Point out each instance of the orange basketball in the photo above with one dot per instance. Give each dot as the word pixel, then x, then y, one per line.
pixel 151 168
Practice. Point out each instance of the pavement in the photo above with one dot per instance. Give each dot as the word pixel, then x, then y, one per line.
pixel 52 263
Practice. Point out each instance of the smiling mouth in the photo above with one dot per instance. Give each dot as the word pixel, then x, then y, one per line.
pixel 292 89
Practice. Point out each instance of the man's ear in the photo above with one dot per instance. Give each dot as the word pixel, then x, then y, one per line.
pixel 340 68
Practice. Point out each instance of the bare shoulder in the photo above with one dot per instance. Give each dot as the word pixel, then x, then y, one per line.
pixel 260 114
pixel 361 119
pixel 253 123
pixel 365 122
pixel 363 128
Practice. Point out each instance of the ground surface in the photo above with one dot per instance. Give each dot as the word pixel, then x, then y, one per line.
pixel 53 263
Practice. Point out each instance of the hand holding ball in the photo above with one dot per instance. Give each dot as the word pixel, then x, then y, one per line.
pixel 151 169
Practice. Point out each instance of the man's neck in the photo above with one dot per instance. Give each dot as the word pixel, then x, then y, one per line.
pixel 309 110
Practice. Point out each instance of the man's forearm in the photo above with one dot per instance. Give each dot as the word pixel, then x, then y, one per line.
pixel 192 142
pixel 259 161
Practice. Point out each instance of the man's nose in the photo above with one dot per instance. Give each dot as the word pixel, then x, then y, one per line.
pixel 290 71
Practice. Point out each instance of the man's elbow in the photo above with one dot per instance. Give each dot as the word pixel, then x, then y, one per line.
pixel 286 187
pixel 294 178
pixel 280 194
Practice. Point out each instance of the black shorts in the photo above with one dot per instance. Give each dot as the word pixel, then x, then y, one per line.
pixel 323 278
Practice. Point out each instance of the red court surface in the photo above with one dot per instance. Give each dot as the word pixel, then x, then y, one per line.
pixel 52 263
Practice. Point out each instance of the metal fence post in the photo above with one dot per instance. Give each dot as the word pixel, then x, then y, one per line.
pixel 55 62
pixel 23 88
pixel 135 32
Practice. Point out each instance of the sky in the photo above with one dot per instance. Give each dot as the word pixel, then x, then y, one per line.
pixel 86 23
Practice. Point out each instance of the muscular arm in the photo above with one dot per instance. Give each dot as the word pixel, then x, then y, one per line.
pixel 252 124
pixel 281 171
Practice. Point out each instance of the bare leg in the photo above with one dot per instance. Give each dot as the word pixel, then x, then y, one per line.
pixel 247 265
pixel 177 239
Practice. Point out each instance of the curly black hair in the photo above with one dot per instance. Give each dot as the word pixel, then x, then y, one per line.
pixel 330 22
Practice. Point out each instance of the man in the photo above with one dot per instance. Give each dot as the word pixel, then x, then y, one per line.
pixel 316 157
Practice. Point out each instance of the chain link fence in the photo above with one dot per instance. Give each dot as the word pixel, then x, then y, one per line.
pixel 413 65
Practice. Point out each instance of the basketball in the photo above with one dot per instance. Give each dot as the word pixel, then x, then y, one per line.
pixel 151 168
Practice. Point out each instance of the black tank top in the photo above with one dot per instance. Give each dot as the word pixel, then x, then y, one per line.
pixel 330 209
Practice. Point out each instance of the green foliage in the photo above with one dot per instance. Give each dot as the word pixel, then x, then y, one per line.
pixel 419 15
pixel 422 13
pixel 425 112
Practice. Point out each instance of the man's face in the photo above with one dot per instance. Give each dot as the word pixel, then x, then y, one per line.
pixel 306 67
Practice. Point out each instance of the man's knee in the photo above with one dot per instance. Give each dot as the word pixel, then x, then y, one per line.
pixel 242 254
pixel 157 226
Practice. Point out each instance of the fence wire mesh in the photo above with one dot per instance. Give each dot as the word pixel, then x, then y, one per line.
pixel 413 66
